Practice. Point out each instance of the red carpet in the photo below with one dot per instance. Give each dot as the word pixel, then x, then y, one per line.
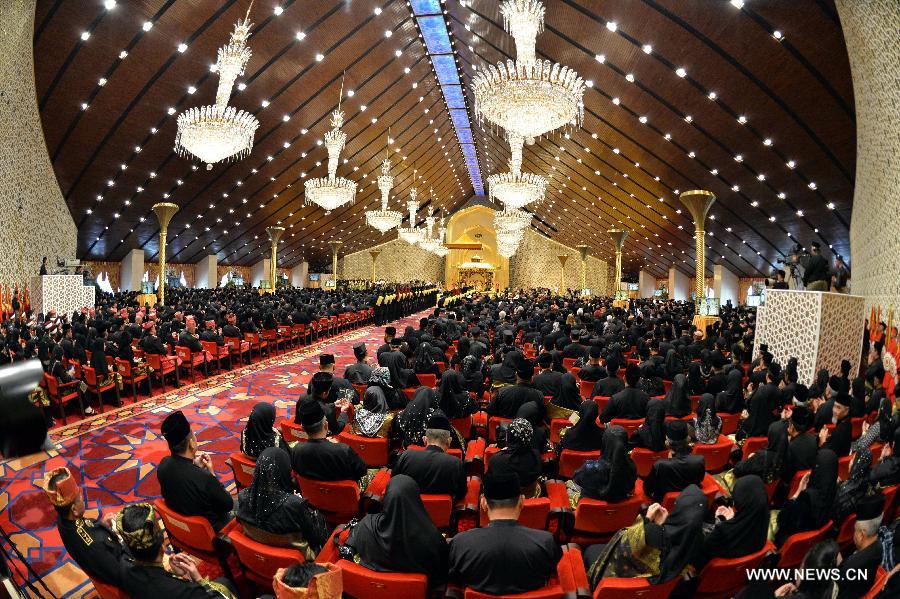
pixel 115 454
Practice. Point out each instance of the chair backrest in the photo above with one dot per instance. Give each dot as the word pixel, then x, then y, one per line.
pixel 629 588
pixel 715 455
pixel 243 468
pixel 630 425
pixel 856 426
pixel 251 337
pixel 601 401
pixel 644 459
pixel 270 334
pixel 586 387
pixel 597 517
pixel 439 508
pixel 373 450
pixel 427 380
pixel 362 583
pixel 52 385
pixel 124 367
pixel 155 361
pixel 262 560
pixel 233 342
pixel 728 575
pixel 845 534
pixel 795 482
pixel 493 421
pixel 752 444
pixel 183 352
pixel 210 347
pixel 292 432
pixel 338 496
pixel 570 461
pixel 881 577
pixel 844 467
pixel 535 512
pixel 729 422
pixel 107 591
pixel 796 546
pixel 90 375
pixel 569 363
pixel 709 486
pixel 187 532
pixel 553 590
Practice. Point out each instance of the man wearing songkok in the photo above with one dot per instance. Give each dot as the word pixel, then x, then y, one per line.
pixel 91 543
pixel 337 410
pixel 510 398
pixel 389 334
pixel 187 479
pixel 436 472
pixel 840 439
pixel 340 387
pixel 680 470
pixel 803 445
pixel 359 372
pixel 868 554
pixel 319 458
pixel 630 402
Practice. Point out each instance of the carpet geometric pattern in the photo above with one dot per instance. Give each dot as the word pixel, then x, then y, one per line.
pixel 114 455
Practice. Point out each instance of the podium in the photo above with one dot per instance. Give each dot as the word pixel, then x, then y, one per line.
pixel 818 328
pixel 64 293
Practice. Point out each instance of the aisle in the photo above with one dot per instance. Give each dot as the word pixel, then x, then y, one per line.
pixel 117 452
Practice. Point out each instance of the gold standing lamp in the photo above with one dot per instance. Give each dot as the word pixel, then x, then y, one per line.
pixel 374 254
pixel 583 251
pixel 335 246
pixel 618 237
pixel 164 212
pixel 698 202
pixel 274 237
pixel 562 272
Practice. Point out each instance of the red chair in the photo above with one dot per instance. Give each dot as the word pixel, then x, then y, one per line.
pixel 163 365
pixel 586 387
pixel 238 348
pixel 569 364
pixel 709 486
pixel 63 393
pixel 881 577
pixel 427 380
pixel 795 481
pixel 243 468
pixel 287 333
pixel 722 578
pixel 108 591
pixel 362 583
pixel 442 366
pixel 856 427
pixel 796 546
pixel 644 459
pixel 337 500
pixel 845 534
pixel 752 444
pixel 216 352
pixel 261 562
pixel 571 460
pixel 492 423
pixel 129 377
pixel 292 432
pixel 93 385
pixel 271 337
pixel 258 344
pixel 570 581
pixel 463 425
pixel 844 467
pixel 630 425
pixel 302 333
pixel 535 513
pixel 695 402
pixel 191 359
pixel 192 534
pixel 629 588
pixel 729 422
pixel 667 385
pixel 716 455
pixel 601 400
pixel 439 508
pixel 373 450
pixel 597 521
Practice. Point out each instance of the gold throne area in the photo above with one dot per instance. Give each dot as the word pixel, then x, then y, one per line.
pixel 473 258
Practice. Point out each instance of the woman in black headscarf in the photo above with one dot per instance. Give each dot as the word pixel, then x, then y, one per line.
pixel 854 488
pixel 677 402
pixel 568 399
pixel 401 376
pixel 105 375
pixel 695 383
pixel 659 546
pixel 532 413
pixel 652 434
pixel 731 400
pixel 759 416
pixel 380 385
pixel 462 350
pixel 610 478
pixel 811 506
pixel 706 425
pixel 413 418
pixel 455 401
pixel 585 435
pixel 818 388
pixel 672 364
pixel 766 463
pixel 520 456
pixel 424 362
pixel 505 373
pixel 401 538
pixel 858 398
pixel 260 433
pixel 471 370
pixel 374 418
pixel 271 513
pixel 882 430
pixel 741 530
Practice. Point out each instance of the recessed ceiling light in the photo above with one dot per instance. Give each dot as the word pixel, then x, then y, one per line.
pixel 109 4
pixel 85 36
pixel 742 119
pixel 242 86
pixel 264 103
pixel 680 72
pixel 616 101
pixel 791 164
pixel 388 33
pixel 123 54
pixel 320 57
pixel 611 25
pixel 377 10
pixel 192 89
pixel 737 3
pixel 148 25
pixel 182 47
pixel 712 95
pixel 629 77
pixel 600 58
pixel 278 10
pixel 777 35
pixel 647 48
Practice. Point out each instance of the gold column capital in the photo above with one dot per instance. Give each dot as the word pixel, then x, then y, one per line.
pixel 164 212
pixel 275 233
pixel 562 271
pixel 583 252
pixel 698 202
pixel 618 237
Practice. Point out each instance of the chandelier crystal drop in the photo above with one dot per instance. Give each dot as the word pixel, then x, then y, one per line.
pixel 511 220
pixel 384 220
pixel 516 189
pixel 220 132
pixel 411 234
pixel 528 96
pixel 332 192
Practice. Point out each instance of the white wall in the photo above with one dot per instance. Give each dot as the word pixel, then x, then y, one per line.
pixel 300 275
pixel 206 275
pixel 725 285
pixel 679 285
pixel 646 284
pixel 260 272
pixel 131 271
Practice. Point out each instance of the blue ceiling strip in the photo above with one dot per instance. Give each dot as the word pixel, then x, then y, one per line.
pixel 430 19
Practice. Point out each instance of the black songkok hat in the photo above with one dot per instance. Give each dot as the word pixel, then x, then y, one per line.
pixel 676 430
pixel 359 350
pixel 501 485
pixel 525 369
pixel 800 418
pixel 842 398
pixel 326 359
pixel 311 412
pixel 390 331
pixel 545 360
pixel 834 381
pixel 870 507
pixel 175 428
pixel 595 351
pixel 321 382
pixel 438 421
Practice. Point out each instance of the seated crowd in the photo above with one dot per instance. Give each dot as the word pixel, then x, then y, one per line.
pixel 520 402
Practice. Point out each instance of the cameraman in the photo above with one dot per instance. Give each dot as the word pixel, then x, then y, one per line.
pixel 817 275
pixel 779 282
pixel 840 278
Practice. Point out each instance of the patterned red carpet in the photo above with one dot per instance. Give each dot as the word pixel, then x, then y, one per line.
pixel 115 454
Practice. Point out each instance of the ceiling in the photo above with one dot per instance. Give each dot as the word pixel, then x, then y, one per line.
pixel 775 142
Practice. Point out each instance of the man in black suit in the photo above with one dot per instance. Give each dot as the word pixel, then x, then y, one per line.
pixel 188 337
pixel 609 386
pixel 841 437
pixel 319 391
pixel 869 551
pixel 340 387
pixel 680 470
pixel 547 381
pixel 630 402
pixel 503 558
pixel 510 398
pixel 593 371
pixel 803 444
pixel 359 372
pixel 433 469
pixel 389 334
pixel 319 458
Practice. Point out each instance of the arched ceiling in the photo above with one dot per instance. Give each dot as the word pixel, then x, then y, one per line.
pixel 765 120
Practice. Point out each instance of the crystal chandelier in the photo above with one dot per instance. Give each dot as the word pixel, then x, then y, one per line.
pixel 430 241
pixel 219 132
pixel 508 241
pixel 528 96
pixel 511 220
pixel 384 219
pixel 332 192
pixel 411 234
pixel 516 189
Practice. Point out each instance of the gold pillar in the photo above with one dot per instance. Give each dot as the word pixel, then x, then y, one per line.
pixel 562 272
pixel 274 236
pixel 374 254
pixel 164 213
pixel 335 246
pixel 698 203
pixel 583 250
pixel 618 237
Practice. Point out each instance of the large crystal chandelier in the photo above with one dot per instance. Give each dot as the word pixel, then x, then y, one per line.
pixel 430 241
pixel 219 132
pixel 511 220
pixel 516 189
pixel 332 192
pixel 384 219
pixel 528 96
pixel 411 234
